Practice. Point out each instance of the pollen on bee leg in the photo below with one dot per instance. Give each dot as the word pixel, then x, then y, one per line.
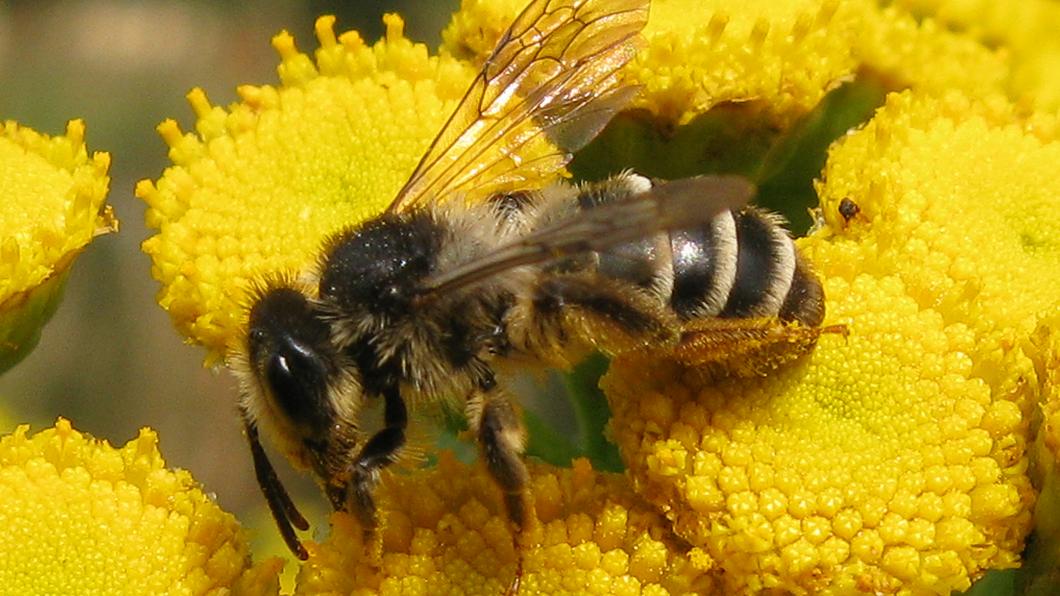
pixel 746 347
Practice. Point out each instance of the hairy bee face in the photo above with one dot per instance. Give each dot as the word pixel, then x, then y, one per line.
pixel 297 381
pixel 291 354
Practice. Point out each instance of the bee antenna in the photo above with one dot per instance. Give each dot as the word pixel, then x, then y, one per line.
pixel 283 509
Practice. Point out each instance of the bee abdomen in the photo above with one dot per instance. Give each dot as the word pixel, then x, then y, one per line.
pixel 805 300
pixel 704 267
pixel 765 266
pixel 743 264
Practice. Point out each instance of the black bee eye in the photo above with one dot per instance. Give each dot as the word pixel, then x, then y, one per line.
pixel 298 379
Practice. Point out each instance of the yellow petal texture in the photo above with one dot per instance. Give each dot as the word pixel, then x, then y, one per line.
pixel 783 56
pixel 1028 30
pixel 81 517
pixel 52 205
pixel 261 183
pixel 444 533
pixel 896 458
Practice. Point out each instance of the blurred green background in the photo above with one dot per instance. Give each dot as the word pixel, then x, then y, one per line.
pixel 110 360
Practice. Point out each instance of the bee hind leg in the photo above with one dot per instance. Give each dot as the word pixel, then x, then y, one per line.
pixel 746 347
pixel 501 437
pixel 600 310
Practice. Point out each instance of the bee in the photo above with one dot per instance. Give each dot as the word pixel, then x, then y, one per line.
pixel 469 274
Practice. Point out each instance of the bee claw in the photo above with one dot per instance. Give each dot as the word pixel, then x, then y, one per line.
pixel 513 588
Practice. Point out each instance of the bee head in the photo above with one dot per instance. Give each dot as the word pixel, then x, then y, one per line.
pixel 291 355
pixel 376 269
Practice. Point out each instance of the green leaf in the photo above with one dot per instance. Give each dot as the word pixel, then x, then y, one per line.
pixel 547 444
pixel 1000 582
pixel 24 315
pixel 592 413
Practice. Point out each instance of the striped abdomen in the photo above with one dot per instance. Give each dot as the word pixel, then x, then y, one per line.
pixel 742 264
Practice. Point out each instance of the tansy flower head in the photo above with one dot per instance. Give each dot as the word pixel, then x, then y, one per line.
pixel 778 58
pixel 1027 30
pixel 263 182
pixel 444 532
pixel 81 517
pixel 52 206
pixel 895 458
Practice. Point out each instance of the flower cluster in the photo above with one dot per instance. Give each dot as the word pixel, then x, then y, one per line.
pixel 81 517
pixel 906 455
pixel 895 457
pixel 444 531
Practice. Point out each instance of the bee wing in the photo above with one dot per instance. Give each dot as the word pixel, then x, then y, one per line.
pixel 547 89
pixel 666 206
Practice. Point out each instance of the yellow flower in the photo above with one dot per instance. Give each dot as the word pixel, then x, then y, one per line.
pixel 261 184
pixel 1026 29
pixel 895 458
pixel 52 206
pixel 892 459
pixel 444 532
pixel 81 517
pixel 777 58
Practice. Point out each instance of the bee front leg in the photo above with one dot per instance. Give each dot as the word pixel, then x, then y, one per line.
pixel 381 450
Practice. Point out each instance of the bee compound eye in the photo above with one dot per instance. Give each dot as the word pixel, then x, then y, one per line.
pixel 297 376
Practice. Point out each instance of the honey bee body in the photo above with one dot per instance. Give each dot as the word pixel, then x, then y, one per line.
pixel 438 297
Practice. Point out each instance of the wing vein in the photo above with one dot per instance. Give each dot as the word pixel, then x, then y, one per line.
pixel 544 92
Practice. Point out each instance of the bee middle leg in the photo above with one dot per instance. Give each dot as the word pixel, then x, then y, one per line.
pixel 381 450
pixel 499 431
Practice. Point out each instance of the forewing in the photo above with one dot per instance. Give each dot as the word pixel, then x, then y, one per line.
pixel 547 89
pixel 672 205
